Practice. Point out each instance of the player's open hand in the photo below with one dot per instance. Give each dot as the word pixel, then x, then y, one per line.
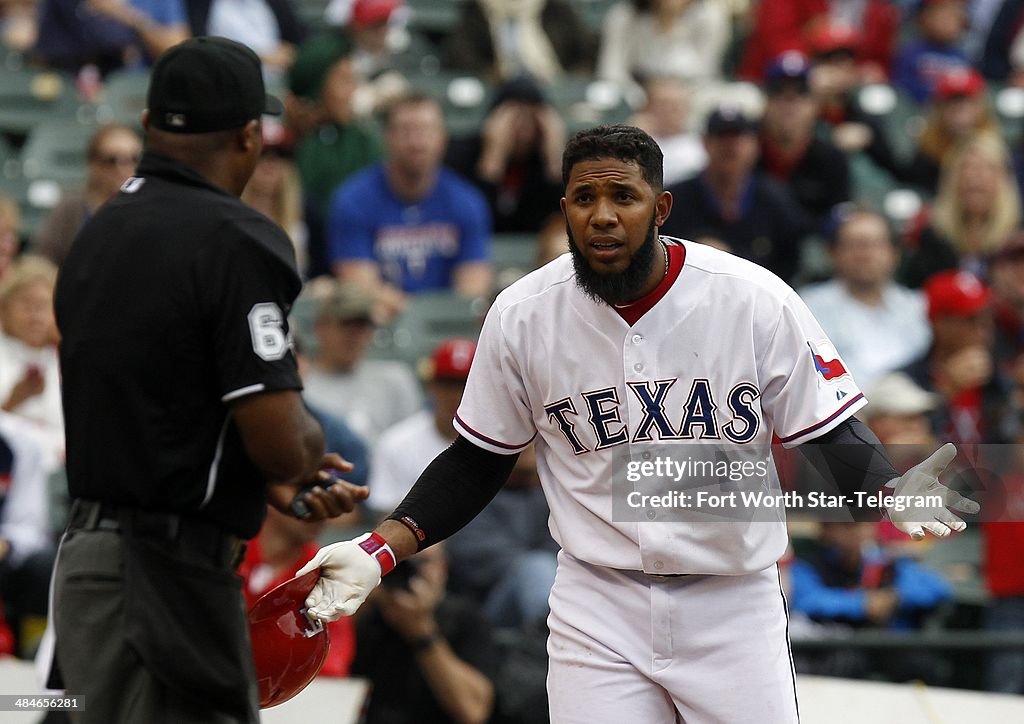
pixel 913 511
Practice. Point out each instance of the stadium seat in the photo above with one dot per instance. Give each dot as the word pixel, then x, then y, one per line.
pixel 29 96
pixel 56 151
pixel 584 102
pixel 435 17
pixel 463 98
pixel 429 318
pixel 514 251
pixel 124 97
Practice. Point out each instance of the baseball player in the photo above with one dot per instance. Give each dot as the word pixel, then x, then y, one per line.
pixel 630 343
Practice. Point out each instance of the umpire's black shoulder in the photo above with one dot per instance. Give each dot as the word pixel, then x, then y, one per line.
pixel 245 226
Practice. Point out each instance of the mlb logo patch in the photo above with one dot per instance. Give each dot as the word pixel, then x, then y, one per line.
pixel 826 360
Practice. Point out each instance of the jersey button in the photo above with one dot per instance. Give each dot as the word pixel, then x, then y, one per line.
pixel 646 456
pixel 638 367
pixel 651 515
pixel 658 565
pixel 637 338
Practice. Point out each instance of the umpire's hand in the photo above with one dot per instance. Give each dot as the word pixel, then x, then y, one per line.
pixel 324 497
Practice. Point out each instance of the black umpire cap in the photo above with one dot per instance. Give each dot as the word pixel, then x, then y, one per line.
pixel 208 84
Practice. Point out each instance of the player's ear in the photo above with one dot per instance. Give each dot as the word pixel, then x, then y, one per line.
pixel 145 119
pixel 561 205
pixel 662 208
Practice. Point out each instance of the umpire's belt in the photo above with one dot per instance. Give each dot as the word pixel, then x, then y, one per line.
pixel 195 534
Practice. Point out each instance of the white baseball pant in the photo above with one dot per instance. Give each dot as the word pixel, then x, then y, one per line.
pixel 628 647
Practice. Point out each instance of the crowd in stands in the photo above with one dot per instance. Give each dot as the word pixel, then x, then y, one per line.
pixel 774 151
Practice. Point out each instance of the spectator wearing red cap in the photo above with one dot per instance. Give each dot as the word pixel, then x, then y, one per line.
pixel 941 26
pixel 406 448
pixel 505 558
pixel 835 79
pixel 368 26
pixel 781 25
pixel 960 365
pixel 816 172
pixel 375 29
pixel 976 211
pixel 959 110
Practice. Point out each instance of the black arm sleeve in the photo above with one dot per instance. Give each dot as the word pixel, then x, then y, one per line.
pixel 454 488
pixel 851 457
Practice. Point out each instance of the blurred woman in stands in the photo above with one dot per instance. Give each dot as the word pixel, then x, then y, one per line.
pixel 506 38
pixel 113 153
pixel 29 374
pixel 275 189
pixel 684 39
pixel 976 211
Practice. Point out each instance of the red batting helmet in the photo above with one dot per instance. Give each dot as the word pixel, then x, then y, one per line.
pixel 288 647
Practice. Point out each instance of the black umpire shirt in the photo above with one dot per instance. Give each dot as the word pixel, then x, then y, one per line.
pixel 173 301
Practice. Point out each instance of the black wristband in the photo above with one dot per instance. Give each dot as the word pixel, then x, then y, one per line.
pixel 422 643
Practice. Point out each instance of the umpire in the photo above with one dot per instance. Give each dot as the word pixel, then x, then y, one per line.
pixel 182 405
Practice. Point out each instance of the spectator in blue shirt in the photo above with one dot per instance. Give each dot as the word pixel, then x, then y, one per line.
pixel 410 224
pixel 108 33
pixel 846 579
pixel 941 26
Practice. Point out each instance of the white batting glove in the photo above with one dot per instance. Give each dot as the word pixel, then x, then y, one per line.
pixel 923 480
pixel 348 572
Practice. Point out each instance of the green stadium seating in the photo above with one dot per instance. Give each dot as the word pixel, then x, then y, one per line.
pixel 429 318
pixel 435 17
pixel 56 151
pixel 29 96
pixel 124 97
pixel 464 98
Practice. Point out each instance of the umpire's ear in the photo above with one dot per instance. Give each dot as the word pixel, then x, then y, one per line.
pixel 250 137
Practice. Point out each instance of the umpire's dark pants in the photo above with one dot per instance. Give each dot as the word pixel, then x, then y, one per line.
pixel 150 622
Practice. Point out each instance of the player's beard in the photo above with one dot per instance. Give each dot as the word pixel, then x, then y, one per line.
pixel 621 287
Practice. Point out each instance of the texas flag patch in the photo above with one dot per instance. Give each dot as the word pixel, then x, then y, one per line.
pixel 826 360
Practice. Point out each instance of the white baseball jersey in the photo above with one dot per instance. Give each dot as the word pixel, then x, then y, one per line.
pixel 729 354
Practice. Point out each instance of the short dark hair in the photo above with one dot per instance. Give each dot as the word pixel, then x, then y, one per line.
pixel 842 213
pixel 412 97
pixel 622 143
